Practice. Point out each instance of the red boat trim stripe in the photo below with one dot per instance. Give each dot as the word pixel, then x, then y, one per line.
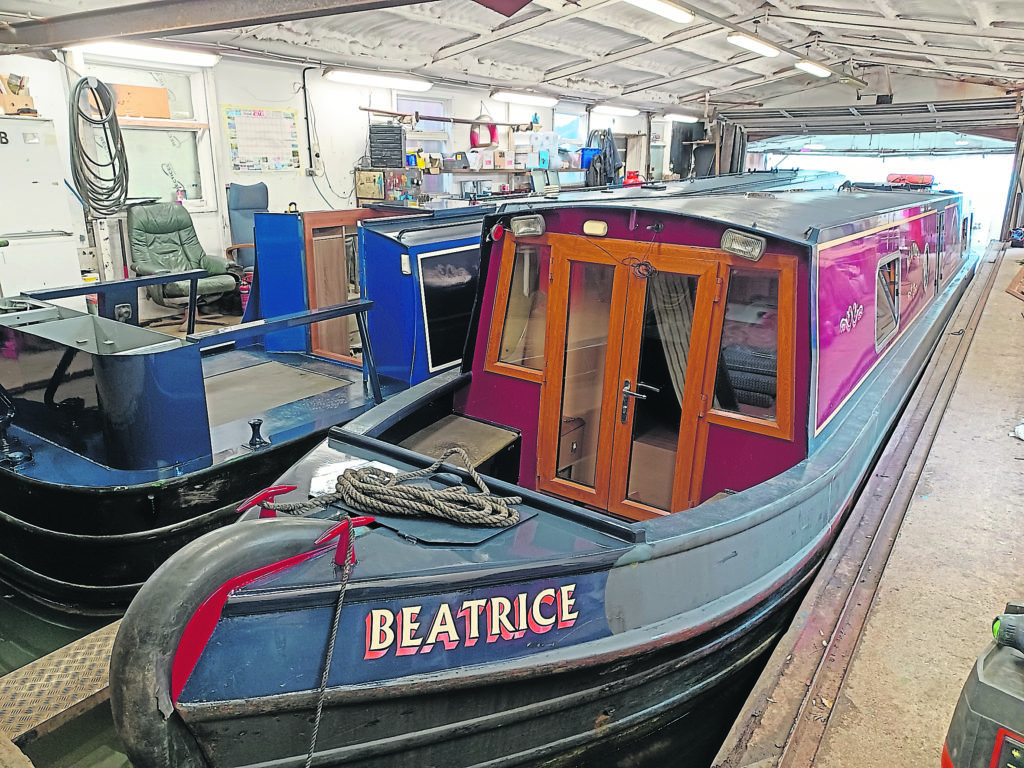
pixel 200 627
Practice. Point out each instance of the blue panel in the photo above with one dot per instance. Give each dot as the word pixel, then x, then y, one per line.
pixel 281 652
pixel 153 408
pixel 396 323
pixel 280 267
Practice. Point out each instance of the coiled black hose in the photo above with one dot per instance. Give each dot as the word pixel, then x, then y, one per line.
pixel 101 179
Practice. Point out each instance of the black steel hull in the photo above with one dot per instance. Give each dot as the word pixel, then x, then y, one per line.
pixel 89 550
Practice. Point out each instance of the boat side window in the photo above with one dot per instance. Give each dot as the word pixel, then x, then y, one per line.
pixel 887 300
pixel 747 380
pixel 516 343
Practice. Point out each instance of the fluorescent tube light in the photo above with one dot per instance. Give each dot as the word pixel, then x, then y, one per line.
pixel 377 79
pixel 752 44
pixel 811 68
pixel 962 142
pixel 529 99
pixel 148 53
pixel 676 117
pixel 814 147
pixel 667 10
pixel 605 109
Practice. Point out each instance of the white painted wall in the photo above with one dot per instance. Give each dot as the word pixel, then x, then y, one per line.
pixel 341 127
pixel 48 85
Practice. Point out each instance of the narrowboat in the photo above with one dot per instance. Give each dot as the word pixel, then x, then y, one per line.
pixel 665 409
pixel 119 444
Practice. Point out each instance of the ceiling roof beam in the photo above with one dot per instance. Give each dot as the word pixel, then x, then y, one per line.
pixel 690 34
pixel 784 74
pixel 951 70
pixel 892 46
pixel 569 11
pixel 817 19
pixel 170 17
pixel 688 74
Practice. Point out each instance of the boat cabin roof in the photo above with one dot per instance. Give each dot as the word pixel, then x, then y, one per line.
pixel 798 216
pixel 434 229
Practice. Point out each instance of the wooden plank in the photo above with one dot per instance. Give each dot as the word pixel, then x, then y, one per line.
pixel 1016 286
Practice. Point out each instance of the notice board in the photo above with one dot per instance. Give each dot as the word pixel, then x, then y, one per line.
pixel 262 139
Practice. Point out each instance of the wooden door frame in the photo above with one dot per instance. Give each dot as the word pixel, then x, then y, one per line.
pixel 702 262
pixel 554 345
pixel 677 260
pixel 784 426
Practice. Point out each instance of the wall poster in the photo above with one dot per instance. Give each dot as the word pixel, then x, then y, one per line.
pixel 262 139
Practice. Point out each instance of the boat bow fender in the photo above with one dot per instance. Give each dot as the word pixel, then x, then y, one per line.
pixel 162 634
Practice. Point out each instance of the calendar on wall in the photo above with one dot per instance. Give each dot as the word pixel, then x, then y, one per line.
pixel 262 139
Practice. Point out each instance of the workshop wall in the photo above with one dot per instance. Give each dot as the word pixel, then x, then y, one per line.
pixel 49 88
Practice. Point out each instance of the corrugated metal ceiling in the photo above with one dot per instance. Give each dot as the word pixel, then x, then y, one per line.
pixel 611 51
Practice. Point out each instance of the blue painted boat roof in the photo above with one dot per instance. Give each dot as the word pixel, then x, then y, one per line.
pixel 467 223
pixel 800 216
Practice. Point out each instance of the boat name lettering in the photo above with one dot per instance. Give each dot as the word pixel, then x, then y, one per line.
pixel 853 315
pixel 488 618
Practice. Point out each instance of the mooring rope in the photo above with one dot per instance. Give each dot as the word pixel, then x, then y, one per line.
pixel 346 571
pixel 371 490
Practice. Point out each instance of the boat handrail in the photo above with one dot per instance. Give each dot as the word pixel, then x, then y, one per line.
pixel 357 307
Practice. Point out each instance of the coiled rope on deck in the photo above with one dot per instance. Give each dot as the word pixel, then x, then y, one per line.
pixel 372 490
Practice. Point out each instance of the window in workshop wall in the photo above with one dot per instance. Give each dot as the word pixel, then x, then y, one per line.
pixel 571 128
pixel 428 136
pixel 163 116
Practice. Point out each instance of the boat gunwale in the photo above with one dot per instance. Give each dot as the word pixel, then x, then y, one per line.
pixel 653 637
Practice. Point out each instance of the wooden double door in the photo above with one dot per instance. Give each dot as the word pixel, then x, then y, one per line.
pixel 627 340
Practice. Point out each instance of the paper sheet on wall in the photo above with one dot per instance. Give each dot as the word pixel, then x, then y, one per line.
pixel 262 139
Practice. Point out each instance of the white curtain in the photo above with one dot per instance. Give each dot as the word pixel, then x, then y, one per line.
pixel 669 295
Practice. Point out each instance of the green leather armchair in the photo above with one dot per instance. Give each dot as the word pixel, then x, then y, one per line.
pixel 163 240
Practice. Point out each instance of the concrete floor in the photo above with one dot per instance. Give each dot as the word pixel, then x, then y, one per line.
pixel 958 559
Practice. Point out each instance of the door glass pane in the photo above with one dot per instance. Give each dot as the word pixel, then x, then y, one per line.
pixel 586 347
pixel 748 364
pixel 661 378
pixel 522 335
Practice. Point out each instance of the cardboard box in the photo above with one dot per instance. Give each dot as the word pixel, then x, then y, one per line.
pixel 141 101
pixel 487 160
pixel 503 159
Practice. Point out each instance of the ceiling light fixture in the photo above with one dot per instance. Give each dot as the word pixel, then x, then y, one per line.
pixel 815 147
pixel 962 141
pixel 754 44
pixel 667 10
pixel 811 68
pixel 150 54
pixel 377 79
pixel 606 109
pixel 676 117
pixel 529 99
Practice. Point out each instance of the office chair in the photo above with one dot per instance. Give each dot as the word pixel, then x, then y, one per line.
pixel 244 202
pixel 162 240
